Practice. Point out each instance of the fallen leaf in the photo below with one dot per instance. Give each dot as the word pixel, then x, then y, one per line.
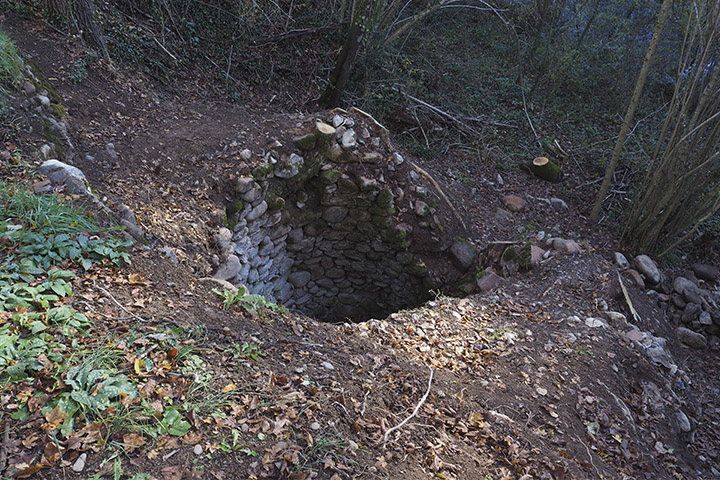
pixel 24 470
pixel 51 454
pixel 54 418
pixel 133 440
pixel 172 472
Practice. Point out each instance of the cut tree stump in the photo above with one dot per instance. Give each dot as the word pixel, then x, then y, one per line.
pixel 546 169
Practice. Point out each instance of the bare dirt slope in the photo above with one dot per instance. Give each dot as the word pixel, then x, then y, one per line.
pixel 523 384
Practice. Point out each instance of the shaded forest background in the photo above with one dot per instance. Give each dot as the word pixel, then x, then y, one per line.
pixel 502 80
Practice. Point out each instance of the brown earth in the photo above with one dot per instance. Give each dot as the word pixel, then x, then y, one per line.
pixel 521 386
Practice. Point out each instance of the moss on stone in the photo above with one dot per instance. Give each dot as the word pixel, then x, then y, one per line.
pixel 347 186
pixel 275 203
pixel 262 171
pixel 384 199
pixel 381 221
pixel 525 256
pixel 306 142
pixel 481 272
pixel 509 254
pixel 57 110
pixel 231 211
pixel 328 177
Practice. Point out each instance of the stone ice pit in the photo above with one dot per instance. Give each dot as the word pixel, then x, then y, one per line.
pixel 339 226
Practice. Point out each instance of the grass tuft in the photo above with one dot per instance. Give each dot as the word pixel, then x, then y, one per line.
pixel 10 63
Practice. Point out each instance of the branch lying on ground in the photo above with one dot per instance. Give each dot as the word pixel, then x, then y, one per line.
pixel 417 408
pixel 442 194
pixel 136 317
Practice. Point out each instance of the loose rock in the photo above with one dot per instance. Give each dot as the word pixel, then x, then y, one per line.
pixel 463 253
pixel 691 339
pixel 514 203
pixel 647 267
pixel 79 464
pixel 621 262
pixel 229 269
pixel 709 273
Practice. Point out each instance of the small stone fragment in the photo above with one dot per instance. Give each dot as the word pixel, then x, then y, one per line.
pixel 328 365
pixel 616 317
pixel 246 155
pixel 197 450
pixel 28 88
pixel 315 426
pixel 422 209
pixel 635 335
pixel 338 120
pixel 683 421
pixel 489 282
pixel 43 101
pixel 593 322
pixel 558 202
pixel 349 140
pixel 79 464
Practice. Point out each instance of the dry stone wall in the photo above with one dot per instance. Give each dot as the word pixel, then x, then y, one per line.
pixel 341 227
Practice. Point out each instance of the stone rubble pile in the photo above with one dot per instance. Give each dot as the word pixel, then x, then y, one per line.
pixel 691 300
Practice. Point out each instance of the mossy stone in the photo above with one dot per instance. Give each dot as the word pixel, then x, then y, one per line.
pixel 275 203
pixel 57 110
pixel 328 177
pixel 525 256
pixel 306 142
pixel 262 171
pixel 384 199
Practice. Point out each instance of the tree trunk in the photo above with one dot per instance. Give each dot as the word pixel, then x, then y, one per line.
pixel 620 143
pixel 340 76
pixel 84 11
pixel 80 16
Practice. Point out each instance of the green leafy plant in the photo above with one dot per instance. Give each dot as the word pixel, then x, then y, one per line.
pixel 250 302
pixel 247 351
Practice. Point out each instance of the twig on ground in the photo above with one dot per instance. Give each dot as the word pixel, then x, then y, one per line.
pixel 417 408
pixel 589 455
pixel 532 127
pixel 3 451
pixel 364 404
pixel 440 191
pixel 87 305
pixel 136 317
pixel 635 315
